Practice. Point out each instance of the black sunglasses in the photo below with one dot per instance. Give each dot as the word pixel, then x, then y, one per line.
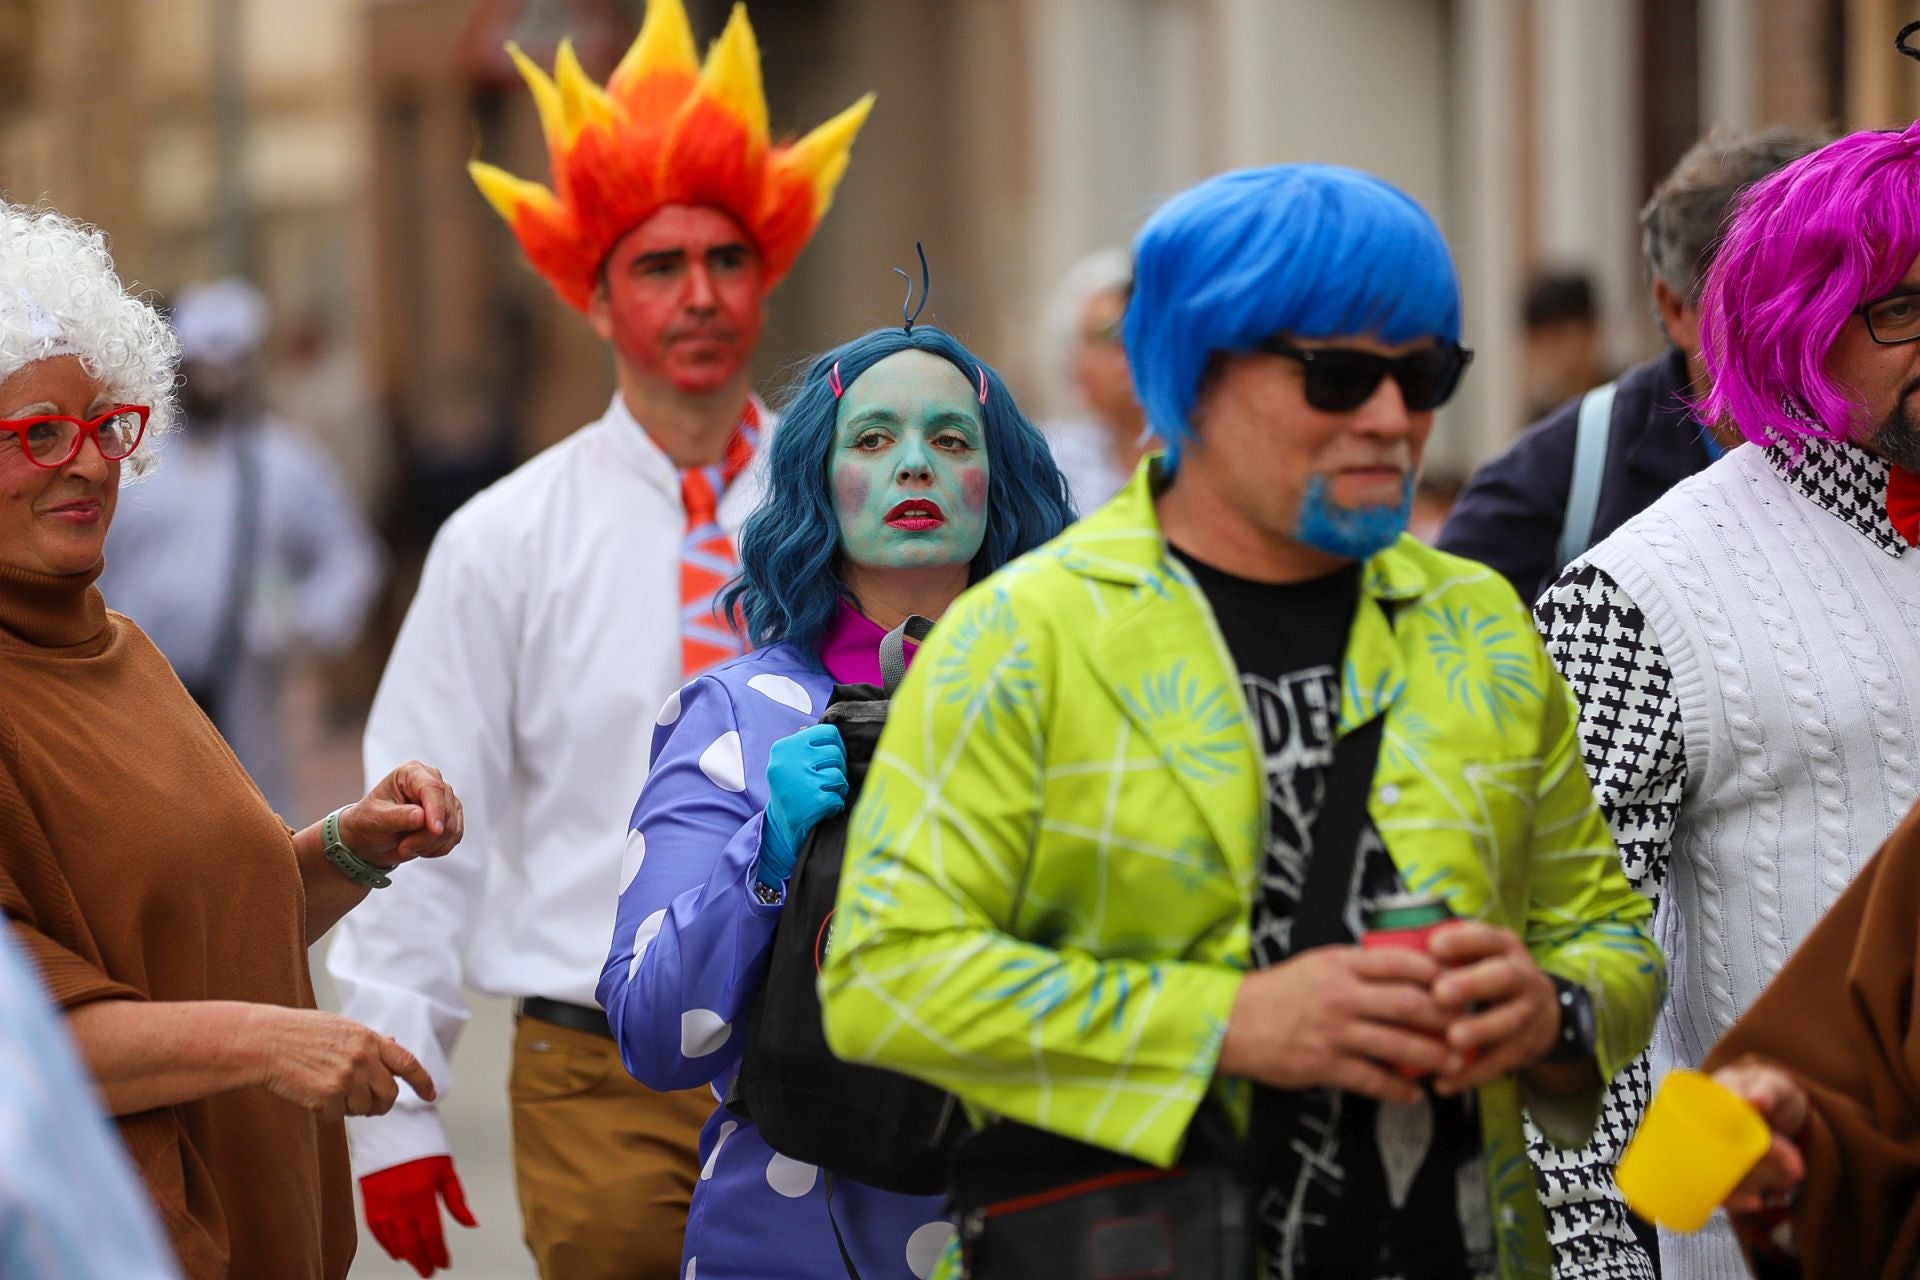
pixel 1340 379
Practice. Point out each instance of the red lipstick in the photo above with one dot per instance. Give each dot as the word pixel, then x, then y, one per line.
pixel 916 515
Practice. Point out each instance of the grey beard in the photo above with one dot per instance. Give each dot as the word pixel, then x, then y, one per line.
pixel 1897 439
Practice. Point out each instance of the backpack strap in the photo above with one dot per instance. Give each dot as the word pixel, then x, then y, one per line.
pixel 1594 429
pixel 893 650
pixel 846 1255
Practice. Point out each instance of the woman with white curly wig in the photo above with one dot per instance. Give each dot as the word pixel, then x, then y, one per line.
pixel 168 909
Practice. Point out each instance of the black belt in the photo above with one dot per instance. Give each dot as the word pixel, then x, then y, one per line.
pixel 574 1017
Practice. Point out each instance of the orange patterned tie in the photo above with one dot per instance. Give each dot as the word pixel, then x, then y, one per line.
pixel 707 557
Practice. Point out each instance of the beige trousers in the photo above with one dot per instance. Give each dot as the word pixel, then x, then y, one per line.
pixel 604 1166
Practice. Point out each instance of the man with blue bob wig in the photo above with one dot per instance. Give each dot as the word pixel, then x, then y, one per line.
pixel 1100 874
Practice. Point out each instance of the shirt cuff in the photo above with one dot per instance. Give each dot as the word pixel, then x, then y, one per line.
pixel 411 1131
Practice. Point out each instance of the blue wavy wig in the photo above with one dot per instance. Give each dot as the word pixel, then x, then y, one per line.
pixel 789 583
pixel 1308 250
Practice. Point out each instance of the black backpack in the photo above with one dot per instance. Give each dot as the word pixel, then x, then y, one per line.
pixel 861 1123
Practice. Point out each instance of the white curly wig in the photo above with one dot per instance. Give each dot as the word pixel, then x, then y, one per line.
pixel 59 295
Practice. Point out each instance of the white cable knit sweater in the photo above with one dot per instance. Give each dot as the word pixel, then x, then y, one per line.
pixel 1794 649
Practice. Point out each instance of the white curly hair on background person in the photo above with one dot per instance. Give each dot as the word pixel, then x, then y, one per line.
pixel 60 295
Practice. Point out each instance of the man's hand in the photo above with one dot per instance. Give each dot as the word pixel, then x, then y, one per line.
pixel 403 1210
pixel 1339 1017
pixel 1499 1003
pixel 412 813
pixel 330 1064
pixel 1780 1099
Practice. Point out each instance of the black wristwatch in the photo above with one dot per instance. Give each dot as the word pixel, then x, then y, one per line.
pixel 1577 1032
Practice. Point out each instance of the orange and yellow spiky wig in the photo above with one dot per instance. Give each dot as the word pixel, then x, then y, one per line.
pixel 665 130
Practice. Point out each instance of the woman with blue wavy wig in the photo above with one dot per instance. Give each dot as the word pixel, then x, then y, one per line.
pixel 901 473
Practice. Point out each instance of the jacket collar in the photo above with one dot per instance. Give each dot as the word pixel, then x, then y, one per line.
pixel 1160 654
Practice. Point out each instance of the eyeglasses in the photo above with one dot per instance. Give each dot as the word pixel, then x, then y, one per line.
pixel 1340 379
pixel 1893 319
pixel 52 440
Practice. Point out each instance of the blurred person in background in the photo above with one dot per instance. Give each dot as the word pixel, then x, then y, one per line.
pixel 1743 650
pixel 1630 441
pixel 71 1205
pixel 1099 447
pixel 168 908
pixel 556 613
pixel 1562 352
pixel 894 422
pixel 247 551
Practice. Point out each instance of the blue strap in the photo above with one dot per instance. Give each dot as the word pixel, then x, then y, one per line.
pixel 1589 468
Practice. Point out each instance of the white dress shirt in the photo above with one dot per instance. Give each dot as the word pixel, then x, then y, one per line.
pixel 542 642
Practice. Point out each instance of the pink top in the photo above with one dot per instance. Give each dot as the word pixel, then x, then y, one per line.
pixel 851 653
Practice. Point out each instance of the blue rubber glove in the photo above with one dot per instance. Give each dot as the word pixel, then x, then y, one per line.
pixel 806 782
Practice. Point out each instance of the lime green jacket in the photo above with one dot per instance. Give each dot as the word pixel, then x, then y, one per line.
pixel 1051 869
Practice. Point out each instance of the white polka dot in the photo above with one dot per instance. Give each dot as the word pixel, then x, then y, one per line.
pixel 791 1178
pixel 701 1032
pixel 643 938
pixel 719 1140
pixel 1390 794
pixel 669 712
pixel 925 1246
pixel 723 764
pixel 785 691
pixel 717 1095
pixel 691 1264
pixel 636 853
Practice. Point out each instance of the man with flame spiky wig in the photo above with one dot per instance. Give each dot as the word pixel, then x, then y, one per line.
pixel 557 611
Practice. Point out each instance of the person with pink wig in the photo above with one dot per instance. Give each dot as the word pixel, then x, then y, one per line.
pixel 1744 650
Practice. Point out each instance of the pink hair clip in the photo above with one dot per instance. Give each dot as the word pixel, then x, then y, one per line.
pixel 983 383
pixel 833 380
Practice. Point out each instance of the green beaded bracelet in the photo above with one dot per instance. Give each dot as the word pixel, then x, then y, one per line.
pixel 373 875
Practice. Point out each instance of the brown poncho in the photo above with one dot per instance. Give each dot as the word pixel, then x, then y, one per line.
pixel 139 862
pixel 1844 1018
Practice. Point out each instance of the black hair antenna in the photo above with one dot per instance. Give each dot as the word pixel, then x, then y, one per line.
pixel 926 286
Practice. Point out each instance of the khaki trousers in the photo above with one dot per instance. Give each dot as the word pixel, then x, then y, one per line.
pixel 604 1166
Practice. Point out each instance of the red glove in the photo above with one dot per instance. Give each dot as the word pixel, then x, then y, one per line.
pixel 403 1210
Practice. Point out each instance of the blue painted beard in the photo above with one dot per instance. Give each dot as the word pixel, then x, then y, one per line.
pixel 1353 532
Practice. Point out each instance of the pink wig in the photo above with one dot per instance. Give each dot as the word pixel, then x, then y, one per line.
pixel 1808 245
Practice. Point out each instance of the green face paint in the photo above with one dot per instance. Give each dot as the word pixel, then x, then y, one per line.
pixel 909 468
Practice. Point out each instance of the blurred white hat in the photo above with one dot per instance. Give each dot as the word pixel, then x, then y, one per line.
pixel 221 322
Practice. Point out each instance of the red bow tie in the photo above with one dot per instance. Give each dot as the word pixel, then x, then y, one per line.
pixel 1903 503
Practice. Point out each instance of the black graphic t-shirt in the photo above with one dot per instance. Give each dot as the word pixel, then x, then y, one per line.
pixel 1363 1190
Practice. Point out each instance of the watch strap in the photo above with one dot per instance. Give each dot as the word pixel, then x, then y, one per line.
pixel 373 875
pixel 1574 1042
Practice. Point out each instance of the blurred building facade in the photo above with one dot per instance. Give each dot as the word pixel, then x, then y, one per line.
pixel 320 145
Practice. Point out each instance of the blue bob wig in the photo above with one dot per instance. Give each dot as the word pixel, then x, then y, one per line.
pixel 789 583
pixel 1307 250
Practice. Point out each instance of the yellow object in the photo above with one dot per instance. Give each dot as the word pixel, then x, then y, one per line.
pixel 1697 1141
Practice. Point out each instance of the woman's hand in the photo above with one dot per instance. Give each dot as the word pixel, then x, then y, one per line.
pixel 330 1064
pixel 412 813
pixel 1778 1097
pixel 806 782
